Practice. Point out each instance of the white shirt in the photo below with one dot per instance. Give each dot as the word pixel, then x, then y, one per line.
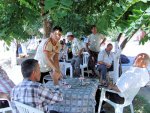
pixel 104 57
pixel 132 80
pixel 76 46
pixel 95 41
pixel 63 51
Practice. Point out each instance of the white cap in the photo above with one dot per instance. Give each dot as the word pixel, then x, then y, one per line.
pixel 69 34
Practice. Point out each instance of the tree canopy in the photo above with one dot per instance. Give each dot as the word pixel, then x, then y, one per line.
pixel 23 18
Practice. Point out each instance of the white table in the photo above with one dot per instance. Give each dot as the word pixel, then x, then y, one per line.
pixel 77 99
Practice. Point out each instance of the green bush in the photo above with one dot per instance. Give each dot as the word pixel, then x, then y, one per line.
pixel 140 105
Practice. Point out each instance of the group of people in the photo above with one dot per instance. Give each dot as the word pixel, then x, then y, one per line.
pixel 32 92
pixel 51 50
pixel 103 58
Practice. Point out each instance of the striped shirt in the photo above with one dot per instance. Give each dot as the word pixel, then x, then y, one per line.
pixel 5 83
pixel 35 94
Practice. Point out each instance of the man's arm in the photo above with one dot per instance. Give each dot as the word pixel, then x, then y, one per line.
pixel 88 43
pixel 103 41
pixel 49 95
pixel 4 95
pixel 114 87
pixel 101 62
pixel 101 59
pixel 56 61
pixel 54 64
pixel 80 52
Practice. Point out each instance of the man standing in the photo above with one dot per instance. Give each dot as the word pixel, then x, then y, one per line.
pixel 105 61
pixel 95 40
pixel 48 55
pixel 77 50
pixel 33 93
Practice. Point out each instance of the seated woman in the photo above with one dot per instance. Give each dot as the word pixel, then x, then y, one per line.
pixel 5 84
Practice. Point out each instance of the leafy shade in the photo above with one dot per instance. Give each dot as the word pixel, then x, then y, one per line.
pixel 17 17
pixel 21 18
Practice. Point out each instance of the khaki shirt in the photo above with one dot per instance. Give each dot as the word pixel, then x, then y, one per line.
pixel 46 45
pixel 94 41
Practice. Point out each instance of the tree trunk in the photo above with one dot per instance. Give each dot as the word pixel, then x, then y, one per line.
pixel 118 52
pixel 46 22
pixel 13 48
pixel 47 28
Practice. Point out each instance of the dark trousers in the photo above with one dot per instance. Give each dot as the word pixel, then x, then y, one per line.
pixel 92 60
pixel 112 96
pixel 4 104
pixel 52 111
pixel 75 62
pixel 43 74
pixel 103 70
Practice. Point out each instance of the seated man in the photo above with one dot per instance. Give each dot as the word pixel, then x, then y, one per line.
pixel 5 88
pixel 132 80
pixel 63 51
pixel 77 50
pixel 105 61
pixel 31 92
pixel 5 84
pixel 136 77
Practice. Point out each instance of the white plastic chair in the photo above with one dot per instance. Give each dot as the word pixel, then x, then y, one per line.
pixel 118 107
pixel 48 78
pixel 67 65
pixel 85 64
pixel 4 110
pixel 22 108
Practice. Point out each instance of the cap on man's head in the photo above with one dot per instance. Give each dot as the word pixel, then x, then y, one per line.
pixel 69 34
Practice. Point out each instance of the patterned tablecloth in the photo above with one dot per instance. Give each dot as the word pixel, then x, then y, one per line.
pixel 77 99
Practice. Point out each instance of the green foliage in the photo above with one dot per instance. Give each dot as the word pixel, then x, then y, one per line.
pixel 59 4
pixel 129 16
pixel 57 8
pixel 21 18
pixel 140 105
pixel 15 18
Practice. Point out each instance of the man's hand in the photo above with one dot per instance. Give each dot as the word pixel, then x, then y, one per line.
pixel 56 75
pixel 4 95
pixel 107 65
pixel 110 86
pixel 113 87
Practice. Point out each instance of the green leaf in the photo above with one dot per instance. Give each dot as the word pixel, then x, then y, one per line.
pixel 117 10
pixel 148 10
pixel 49 4
pixel 61 14
pixel 133 17
pixel 137 12
pixel 146 16
pixel 145 1
pixel 67 3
